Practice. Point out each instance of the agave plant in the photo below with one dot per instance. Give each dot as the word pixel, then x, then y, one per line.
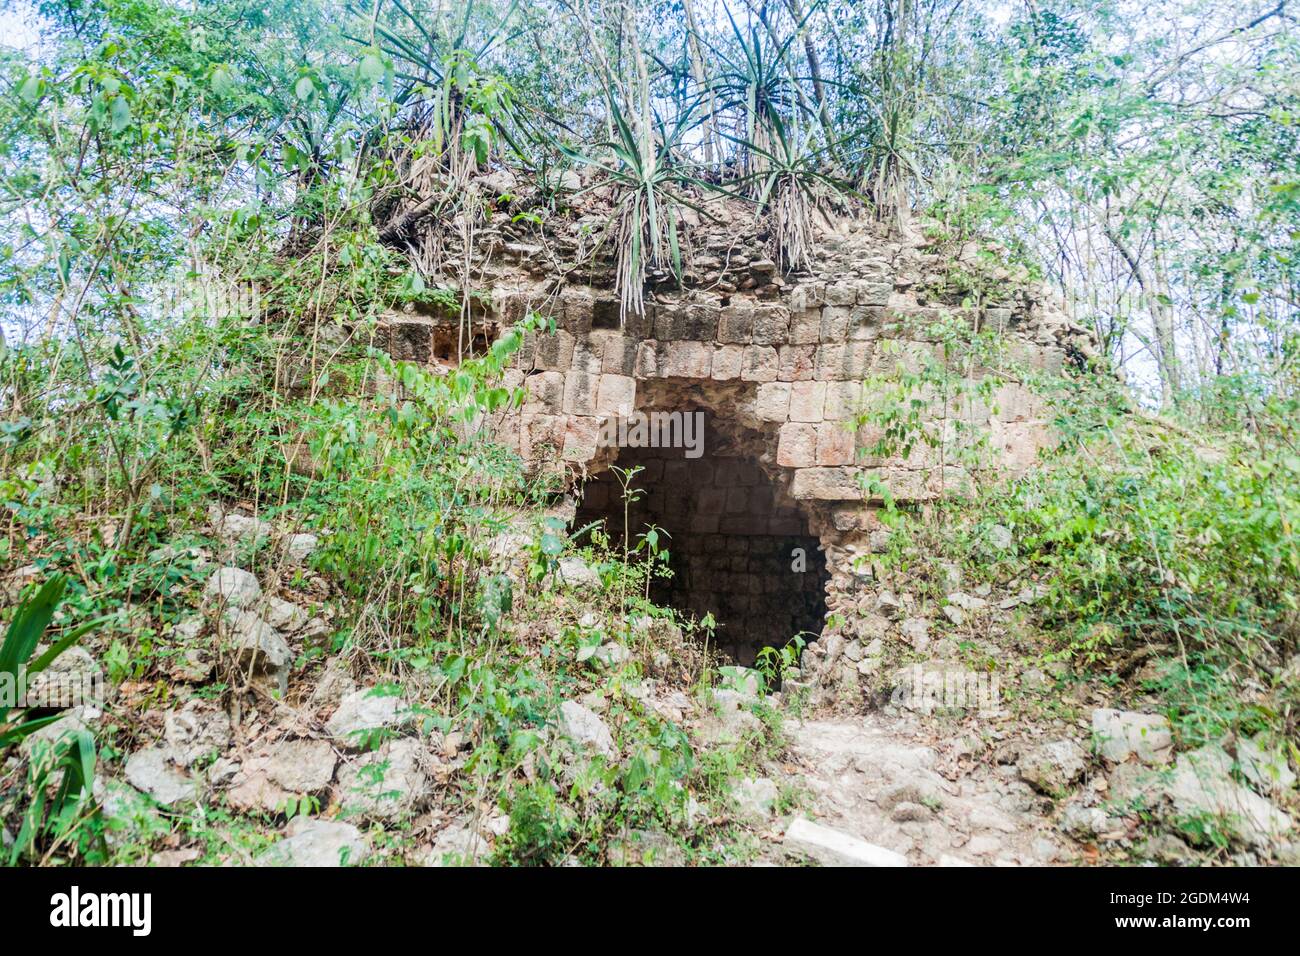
pixel 756 81
pixel 53 812
pixel 648 177
pixel 790 188
pixel 28 626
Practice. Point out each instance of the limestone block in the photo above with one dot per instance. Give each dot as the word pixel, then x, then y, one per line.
pixel 578 310
pixel 841 293
pixel 843 400
pixel 797 362
pixel 873 292
pixel 1015 445
pixel 581 437
pixel 807 400
pixel 685 359
pixel 835 444
pixel 865 322
pixel 554 351
pixel 1015 403
pixel 701 322
pixel 727 362
pixel 771 325
pixel 736 324
pixel 806 327
pixel 670 323
pixel 647 359
pixel 545 393
pixel 827 484
pixel 408 338
pixel 617 352
pixel 844 361
pixel 616 395
pixel 797 446
pixel 580 392
pixel 509 305
pixel 760 364
pixel 773 402
pixel 541 436
pixel 835 323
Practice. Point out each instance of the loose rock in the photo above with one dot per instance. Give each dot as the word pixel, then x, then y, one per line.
pixel 1120 734
pixel 1052 767
pixel 150 770
pixel 363 712
pixel 232 587
pixel 586 729
pixel 315 842
pixel 838 849
pixel 387 784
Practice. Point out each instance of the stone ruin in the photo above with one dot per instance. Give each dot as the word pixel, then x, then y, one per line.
pixel 770 523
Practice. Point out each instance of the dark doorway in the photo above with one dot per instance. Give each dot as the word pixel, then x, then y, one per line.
pixel 736 548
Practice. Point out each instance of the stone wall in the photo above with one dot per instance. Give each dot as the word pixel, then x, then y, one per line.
pixel 778 363
pixel 738 547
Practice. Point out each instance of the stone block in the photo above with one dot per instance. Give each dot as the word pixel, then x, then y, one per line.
pixel 835 323
pixel 1015 445
pixel 835 444
pixel 554 351
pixel 616 395
pixel 727 362
pixel 826 484
pixel 581 438
pixel 545 393
pixel 806 327
pixel 617 352
pixel 1015 403
pixel 841 293
pixel 865 322
pixel 580 388
pixel 771 325
pixel 844 361
pixel 685 359
pixel 807 401
pixel 773 401
pixel 873 292
pixel 701 322
pixel 408 338
pixel 736 323
pixel 797 445
pixel 576 315
pixel 843 400
pixel 760 364
pixel 541 436
pixel 647 359
pixel 796 362
pixel 670 322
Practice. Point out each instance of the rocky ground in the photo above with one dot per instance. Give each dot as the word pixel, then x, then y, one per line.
pixel 879 752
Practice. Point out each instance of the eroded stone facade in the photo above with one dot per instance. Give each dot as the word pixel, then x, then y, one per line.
pixel 778 365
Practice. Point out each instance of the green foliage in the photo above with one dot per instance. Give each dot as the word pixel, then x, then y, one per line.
pixel 933 405
pixel 59 809
pixel 30 622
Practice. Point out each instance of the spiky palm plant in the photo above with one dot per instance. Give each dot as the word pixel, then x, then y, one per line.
pixel 648 178
pixel 789 189
pixel 754 80
pixel 60 774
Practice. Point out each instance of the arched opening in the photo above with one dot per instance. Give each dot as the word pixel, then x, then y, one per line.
pixel 739 548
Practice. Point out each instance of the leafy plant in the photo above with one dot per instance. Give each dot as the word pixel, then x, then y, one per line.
pixel 59 772
pixel 30 622
pixel 648 178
